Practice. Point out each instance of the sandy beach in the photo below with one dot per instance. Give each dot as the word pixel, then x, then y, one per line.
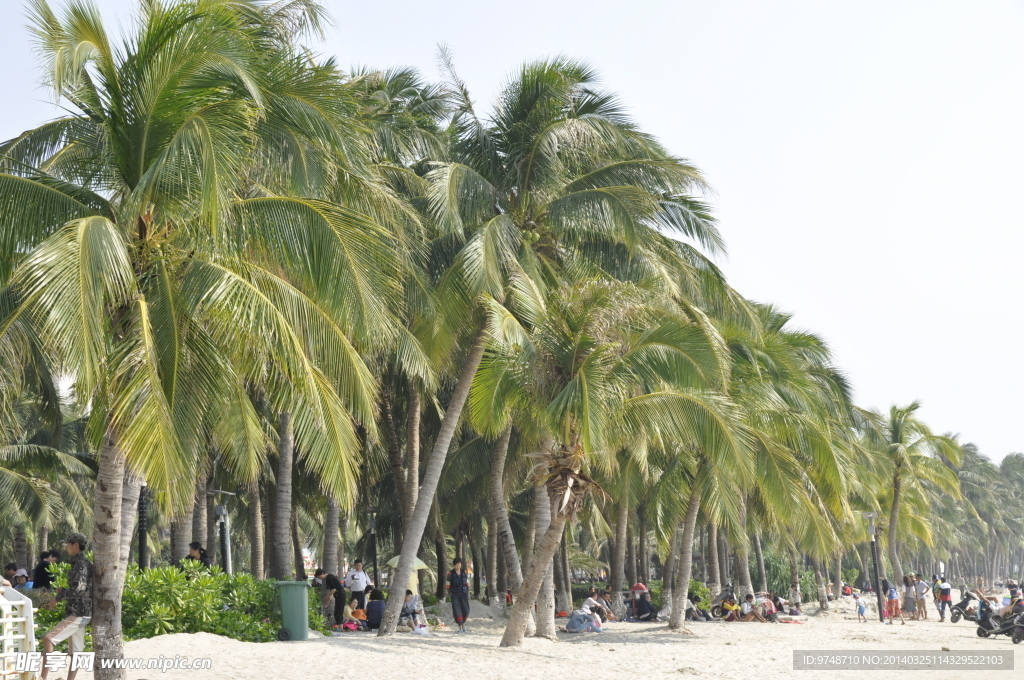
pixel 715 650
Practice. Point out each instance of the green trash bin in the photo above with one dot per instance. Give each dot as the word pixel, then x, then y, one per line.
pixel 294 599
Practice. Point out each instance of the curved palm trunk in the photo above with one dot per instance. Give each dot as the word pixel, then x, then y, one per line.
pixel 506 541
pixel 522 610
pixel 715 587
pixel 283 501
pixel 762 576
pixel 106 547
pixel 255 532
pixel 894 520
pixel 418 522
pixel 684 567
pixel 331 537
pixel 546 597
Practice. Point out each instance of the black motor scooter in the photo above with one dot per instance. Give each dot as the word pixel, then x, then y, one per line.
pixel 963 609
pixel 992 625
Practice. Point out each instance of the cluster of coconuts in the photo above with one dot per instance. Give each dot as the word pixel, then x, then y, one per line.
pixel 530 235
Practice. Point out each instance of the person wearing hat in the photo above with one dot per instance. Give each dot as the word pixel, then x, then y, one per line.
pixel 77 598
pixel 20 580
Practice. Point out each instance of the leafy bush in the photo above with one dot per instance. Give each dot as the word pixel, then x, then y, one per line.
pixel 195 599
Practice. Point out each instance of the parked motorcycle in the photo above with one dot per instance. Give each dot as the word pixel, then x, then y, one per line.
pixel 716 604
pixel 992 625
pixel 963 609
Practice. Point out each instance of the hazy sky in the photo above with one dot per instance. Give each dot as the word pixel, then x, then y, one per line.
pixel 868 158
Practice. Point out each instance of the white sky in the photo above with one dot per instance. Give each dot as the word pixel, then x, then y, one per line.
pixel 868 158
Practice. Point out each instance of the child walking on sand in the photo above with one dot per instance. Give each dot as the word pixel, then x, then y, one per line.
pixel 862 608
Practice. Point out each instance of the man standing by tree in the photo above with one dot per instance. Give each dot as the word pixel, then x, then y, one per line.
pixel 332 587
pixel 356 580
pixel 78 605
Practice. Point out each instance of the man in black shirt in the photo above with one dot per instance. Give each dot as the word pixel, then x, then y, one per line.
pixel 332 586
pixel 41 574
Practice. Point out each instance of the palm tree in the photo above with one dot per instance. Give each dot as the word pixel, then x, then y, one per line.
pixel 913 454
pixel 154 259
pixel 595 363
pixel 556 180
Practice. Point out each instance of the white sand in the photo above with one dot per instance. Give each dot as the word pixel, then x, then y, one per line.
pixel 625 650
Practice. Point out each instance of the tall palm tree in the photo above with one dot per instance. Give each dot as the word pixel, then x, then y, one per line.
pixel 166 265
pixel 914 454
pixel 596 362
pixel 557 181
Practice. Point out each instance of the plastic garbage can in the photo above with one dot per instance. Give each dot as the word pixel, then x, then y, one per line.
pixel 294 599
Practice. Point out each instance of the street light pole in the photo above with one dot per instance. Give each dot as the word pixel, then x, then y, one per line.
pixel 871 517
pixel 143 529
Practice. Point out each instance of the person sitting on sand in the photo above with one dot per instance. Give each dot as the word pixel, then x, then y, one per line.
pixel 606 603
pixel 693 610
pixel 375 609
pixel 771 614
pixel 730 609
pixel 592 605
pixel 354 616
pixel 748 610
pixel 645 609
pixel 412 614
pixel 583 622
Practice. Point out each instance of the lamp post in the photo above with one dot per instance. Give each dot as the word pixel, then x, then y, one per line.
pixel 871 517
pixel 221 513
pixel 373 542
pixel 224 533
pixel 143 529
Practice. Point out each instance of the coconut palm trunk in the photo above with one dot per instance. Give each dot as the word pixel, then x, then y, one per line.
pixel 106 549
pixel 129 513
pixel 255 532
pixel 432 475
pixel 618 576
pixel 894 521
pixel 395 459
pixel 668 575
pixel 283 502
pixel 412 445
pixel 20 546
pixel 331 537
pixel 546 597
pixel 762 576
pixel 492 558
pixel 506 541
pixel 522 610
pixel 820 581
pixel 715 586
pixel 742 556
pixel 300 567
pixel 684 567
pixel 794 577
pixel 837 577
